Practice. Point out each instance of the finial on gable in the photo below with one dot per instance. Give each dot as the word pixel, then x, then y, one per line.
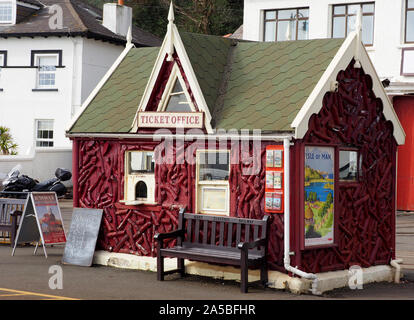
pixel 170 33
pixel 171 13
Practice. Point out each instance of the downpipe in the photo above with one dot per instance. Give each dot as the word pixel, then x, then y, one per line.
pixel 286 260
pixel 396 264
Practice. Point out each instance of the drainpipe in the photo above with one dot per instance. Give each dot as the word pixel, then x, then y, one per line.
pixel 286 260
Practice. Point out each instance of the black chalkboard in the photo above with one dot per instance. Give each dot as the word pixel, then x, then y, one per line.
pixel 81 241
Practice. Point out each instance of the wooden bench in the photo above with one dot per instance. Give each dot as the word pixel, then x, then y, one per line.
pixel 10 211
pixel 216 239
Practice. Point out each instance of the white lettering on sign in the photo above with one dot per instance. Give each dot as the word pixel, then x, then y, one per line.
pixel 170 119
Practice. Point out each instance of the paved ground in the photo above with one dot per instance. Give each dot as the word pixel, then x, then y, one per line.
pixel 26 276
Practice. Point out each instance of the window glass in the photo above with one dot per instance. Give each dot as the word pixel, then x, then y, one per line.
pixel 47 71
pixel 1 60
pixel 410 4
pixel 303 30
pixel 141 162
pixel 214 166
pixel 6 9
pixel 348 165
pixel 270 15
pixel 410 26
pixel 177 102
pixel 367 26
pixel 353 9
pixel 44 133
pixel 303 13
pixel 339 9
pixel 214 199
pixel 282 31
pixel 286 14
pixel 339 27
pixel 270 31
pixel 368 8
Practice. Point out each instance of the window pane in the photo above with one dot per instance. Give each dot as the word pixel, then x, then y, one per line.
pixel 282 31
pixel 410 4
pixel 338 27
pixel 286 14
pixel 1 60
pixel 348 165
pixel 410 26
pixel 351 24
pixel 303 30
pixel 47 61
pixel 214 198
pixel 353 9
pixel 214 166
pixel 141 161
pixel 177 86
pixel 368 29
pixel 270 15
pixel 5 12
pixel 178 103
pixel 303 13
pixel 339 9
pixel 368 8
pixel 270 31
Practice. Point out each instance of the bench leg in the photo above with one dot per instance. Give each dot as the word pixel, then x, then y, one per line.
pixel 160 264
pixel 180 266
pixel 263 274
pixel 244 273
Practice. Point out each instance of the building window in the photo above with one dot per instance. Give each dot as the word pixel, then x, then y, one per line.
pixel 344 19
pixel 409 21
pixel 286 24
pixel 139 177
pixel 46 61
pixel 349 165
pixel 6 12
pixel 3 63
pixel 44 133
pixel 213 170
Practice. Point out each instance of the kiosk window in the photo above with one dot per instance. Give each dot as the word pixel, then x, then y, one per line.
pixel 349 165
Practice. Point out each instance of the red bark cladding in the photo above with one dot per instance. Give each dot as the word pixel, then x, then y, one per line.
pixel 365 209
pixel 130 229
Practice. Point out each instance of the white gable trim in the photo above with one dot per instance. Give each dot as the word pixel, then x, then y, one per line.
pixel 345 54
pixel 173 39
pixel 99 86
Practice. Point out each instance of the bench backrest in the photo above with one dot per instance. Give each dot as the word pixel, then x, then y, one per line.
pixel 7 206
pixel 225 233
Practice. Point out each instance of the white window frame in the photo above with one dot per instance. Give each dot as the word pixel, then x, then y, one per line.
pixel 2 63
pixel 131 179
pixel 174 76
pixel 13 12
pixel 37 121
pixel 202 185
pixel 37 56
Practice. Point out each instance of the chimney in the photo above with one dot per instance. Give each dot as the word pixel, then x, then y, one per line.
pixel 117 17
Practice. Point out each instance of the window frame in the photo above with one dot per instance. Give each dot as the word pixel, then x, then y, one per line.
pixel 34 62
pixel 169 87
pixel 12 14
pixel 359 165
pixel 346 15
pixel 37 139
pixel 212 185
pixel 406 20
pixel 276 20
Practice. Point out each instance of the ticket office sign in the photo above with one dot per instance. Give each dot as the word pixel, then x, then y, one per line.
pixel 170 120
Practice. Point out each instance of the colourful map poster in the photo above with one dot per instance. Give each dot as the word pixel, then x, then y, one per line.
pixel 319 195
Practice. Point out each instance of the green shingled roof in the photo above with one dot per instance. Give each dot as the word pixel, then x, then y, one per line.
pixel 246 85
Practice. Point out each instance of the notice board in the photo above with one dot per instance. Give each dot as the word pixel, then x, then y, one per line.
pixel 83 233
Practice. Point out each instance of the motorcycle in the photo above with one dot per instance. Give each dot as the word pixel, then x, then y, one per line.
pixel 15 182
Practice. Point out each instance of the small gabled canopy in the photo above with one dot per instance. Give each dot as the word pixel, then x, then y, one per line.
pixel 271 86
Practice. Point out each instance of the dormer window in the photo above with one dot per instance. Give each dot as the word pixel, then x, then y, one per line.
pixel 6 12
pixel 176 97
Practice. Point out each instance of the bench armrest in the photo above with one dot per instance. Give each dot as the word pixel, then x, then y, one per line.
pixel 168 235
pixel 250 245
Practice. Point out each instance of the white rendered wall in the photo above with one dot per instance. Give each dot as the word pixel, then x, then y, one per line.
pixel 389 25
pixel 85 61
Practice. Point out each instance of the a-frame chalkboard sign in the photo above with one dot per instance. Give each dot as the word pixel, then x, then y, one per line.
pixel 41 221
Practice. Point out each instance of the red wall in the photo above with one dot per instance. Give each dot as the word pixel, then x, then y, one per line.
pixel 404 106
pixel 364 210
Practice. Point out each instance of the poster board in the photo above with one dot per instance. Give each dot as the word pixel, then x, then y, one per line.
pixel 83 233
pixel 274 195
pixel 41 221
pixel 319 195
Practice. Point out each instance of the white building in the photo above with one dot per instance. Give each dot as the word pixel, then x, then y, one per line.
pixel 388 35
pixel 52 55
